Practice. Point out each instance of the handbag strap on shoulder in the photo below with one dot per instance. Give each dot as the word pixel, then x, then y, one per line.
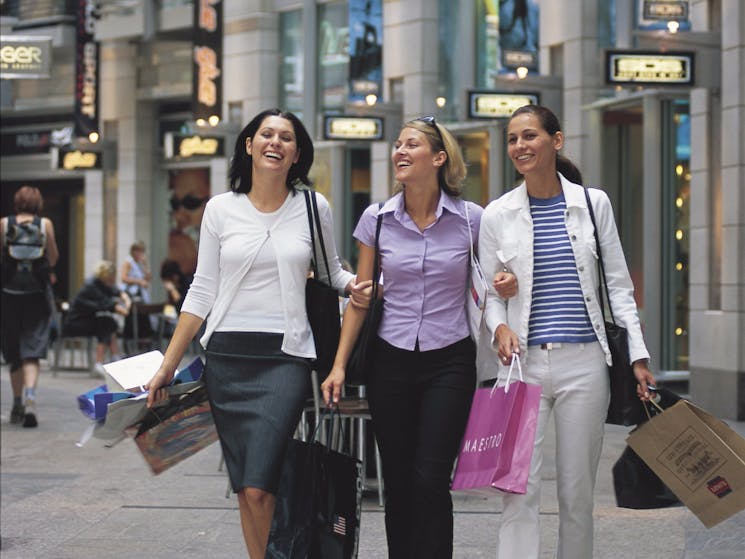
pixel 376 264
pixel 312 207
pixel 604 282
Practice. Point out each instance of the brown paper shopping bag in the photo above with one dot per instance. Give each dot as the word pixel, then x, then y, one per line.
pixel 698 456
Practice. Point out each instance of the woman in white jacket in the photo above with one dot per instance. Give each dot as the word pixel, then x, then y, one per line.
pixel 254 256
pixel 541 231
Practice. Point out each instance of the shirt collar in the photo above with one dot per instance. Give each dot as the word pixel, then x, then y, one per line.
pixel 395 205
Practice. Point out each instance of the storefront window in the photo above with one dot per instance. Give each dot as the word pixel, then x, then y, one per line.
pixel 507 35
pixel 291 64
pixel 676 189
pixel 333 55
pixel 448 22
pixel 487 43
pixel 606 24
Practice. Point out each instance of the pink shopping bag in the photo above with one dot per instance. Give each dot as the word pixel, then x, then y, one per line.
pixel 497 445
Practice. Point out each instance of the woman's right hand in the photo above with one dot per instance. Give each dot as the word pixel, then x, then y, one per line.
pixel 331 387
pixel 507 343
pixel 157 386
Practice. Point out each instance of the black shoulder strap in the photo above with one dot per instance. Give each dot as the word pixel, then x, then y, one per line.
pixel 603 281
pixel 312 208
pixel 376 264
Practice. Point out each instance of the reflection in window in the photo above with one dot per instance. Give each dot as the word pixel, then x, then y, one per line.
pixel 291 65
pixel 448 23
pixel 676 240
pixel 333 55
pixel 606 24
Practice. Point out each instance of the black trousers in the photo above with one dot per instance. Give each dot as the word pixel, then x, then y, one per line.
pixel 419 401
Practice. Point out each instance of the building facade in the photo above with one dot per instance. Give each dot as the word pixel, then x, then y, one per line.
pixel 650 94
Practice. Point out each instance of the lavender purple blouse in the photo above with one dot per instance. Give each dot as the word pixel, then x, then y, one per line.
pixel 425 272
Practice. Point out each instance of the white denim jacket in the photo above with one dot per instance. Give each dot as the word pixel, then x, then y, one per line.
pixel 506 242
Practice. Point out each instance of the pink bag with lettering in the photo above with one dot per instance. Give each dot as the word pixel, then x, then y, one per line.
pixel 498 442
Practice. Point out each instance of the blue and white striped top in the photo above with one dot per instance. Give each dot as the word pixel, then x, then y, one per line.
pixel 558 312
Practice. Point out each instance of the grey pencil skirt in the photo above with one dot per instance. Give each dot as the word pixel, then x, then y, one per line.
pixel 257 394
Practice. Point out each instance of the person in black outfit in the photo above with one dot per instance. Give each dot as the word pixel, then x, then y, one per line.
pixel 93 310
pixel 26 307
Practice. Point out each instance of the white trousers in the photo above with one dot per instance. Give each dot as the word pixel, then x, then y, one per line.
pixel 574 385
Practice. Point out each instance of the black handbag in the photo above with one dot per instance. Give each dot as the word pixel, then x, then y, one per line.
pixel 321 300
pixel 360 360
pixel 636 486
pixel 625 407
pixel 318 504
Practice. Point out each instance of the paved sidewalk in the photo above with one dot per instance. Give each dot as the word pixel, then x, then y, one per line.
pixel 60 501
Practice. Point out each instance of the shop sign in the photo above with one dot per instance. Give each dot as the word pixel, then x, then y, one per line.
pixel 632 67
pixel 179 145
pixel 491 104
pixel 71 160
pixel 352 128
pixel 86 71
pixel 37 141
pixel 207 61
pixel 25 57
pixel 666 11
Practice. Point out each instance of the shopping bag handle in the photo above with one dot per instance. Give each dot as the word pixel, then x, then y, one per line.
pixel 646 408
pixel 515 359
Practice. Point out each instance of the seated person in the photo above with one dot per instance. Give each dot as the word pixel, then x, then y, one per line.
pixel 93 311
pixel 174 283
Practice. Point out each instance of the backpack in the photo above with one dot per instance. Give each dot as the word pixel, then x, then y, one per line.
pixel 25 267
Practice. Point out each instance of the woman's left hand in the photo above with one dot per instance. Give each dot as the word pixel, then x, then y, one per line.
pixel 645 378
pixel 331 387
pixel 505 284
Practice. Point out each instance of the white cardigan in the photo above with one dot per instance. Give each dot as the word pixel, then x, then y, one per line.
pixel 506 241
pixel 227 219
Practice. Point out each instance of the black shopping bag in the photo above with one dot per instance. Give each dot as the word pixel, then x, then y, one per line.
pixel 318 506
pixel 635 484
pixel 638 487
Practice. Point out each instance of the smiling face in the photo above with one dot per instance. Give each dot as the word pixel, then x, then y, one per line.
pixel 530 147
pixel 274 146
pixel 413 157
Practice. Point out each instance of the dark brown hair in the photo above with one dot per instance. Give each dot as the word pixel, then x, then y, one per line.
pixel 550 123
pixel 240 164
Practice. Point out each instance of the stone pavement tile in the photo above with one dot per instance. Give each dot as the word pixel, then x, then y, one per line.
pixel 723 541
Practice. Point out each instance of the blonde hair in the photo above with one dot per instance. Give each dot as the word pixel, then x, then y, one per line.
pixel 453 172
pixel 103 269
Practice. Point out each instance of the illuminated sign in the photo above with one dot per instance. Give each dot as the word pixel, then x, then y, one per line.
pixel 207 60
pixel 491 104
pixel 665 10
pixel 630 67
pixel 87 69
pixel 25 57
pixel 352 128
pixel 71 160
pixel 178 145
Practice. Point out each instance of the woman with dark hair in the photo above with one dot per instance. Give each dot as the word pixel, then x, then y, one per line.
pixel 423 371
pixel 543 233
pixel 254 256
pixel 29 252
